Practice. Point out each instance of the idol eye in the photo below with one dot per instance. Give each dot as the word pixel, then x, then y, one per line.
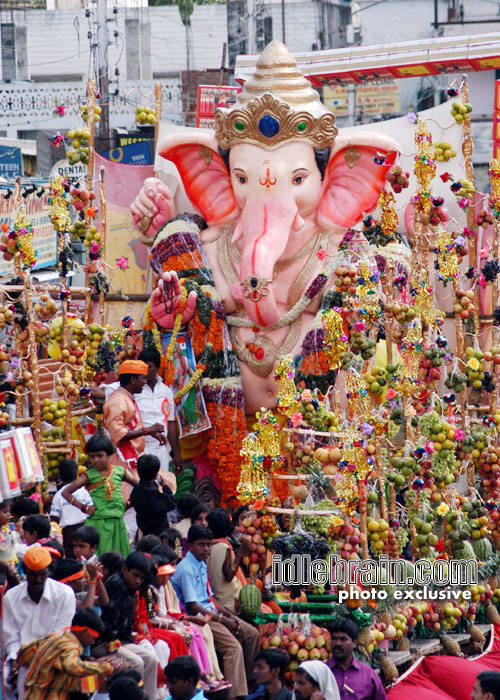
pixel 299 179
pixel 242 179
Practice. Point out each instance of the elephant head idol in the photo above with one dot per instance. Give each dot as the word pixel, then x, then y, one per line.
pixel 278 187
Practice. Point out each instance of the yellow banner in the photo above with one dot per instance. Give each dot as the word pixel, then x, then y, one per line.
pixel 377 97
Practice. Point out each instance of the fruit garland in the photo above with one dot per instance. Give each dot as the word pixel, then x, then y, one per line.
pixel 21 237
pixel 178 248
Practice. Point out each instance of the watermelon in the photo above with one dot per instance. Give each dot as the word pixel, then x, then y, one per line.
pixel 482 548
pixel 463 550
pixel 250 600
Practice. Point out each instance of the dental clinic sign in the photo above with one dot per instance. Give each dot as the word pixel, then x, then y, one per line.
pixel 11 162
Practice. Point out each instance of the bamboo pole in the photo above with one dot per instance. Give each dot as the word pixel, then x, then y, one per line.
pixel 90 166
pixel 381 482
pixel 392 507
pixel 102 200
pixel 17 270
pixel 460 351
pixel 91 127
pixel 88 307
pixel 33 364
pixel 467 150
pixel 292 511
pixel 51 289
pixel 362 509
pixel 158 97
pixel 389 294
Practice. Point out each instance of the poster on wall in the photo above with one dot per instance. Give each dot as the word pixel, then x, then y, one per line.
pixel 45 236
pixel 210 97
pixel 377 97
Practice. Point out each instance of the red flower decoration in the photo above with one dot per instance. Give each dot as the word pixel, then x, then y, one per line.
pixel 445 177
pixel 321 254
pixel 5 227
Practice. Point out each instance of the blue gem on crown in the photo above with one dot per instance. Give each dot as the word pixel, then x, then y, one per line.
pixel 269 126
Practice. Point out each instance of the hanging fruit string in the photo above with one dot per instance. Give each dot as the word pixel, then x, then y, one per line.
pixel 23 234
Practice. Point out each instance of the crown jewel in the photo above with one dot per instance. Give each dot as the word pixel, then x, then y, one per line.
pixel 276 104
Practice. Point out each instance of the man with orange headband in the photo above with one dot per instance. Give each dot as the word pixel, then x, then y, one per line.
pixel 122 417
pixel 55 668
pixel 33 609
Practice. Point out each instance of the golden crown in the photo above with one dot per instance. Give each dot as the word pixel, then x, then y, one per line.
pixel 267 121
pixel 276 104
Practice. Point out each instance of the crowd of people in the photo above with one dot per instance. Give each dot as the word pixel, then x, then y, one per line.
pixel 123 591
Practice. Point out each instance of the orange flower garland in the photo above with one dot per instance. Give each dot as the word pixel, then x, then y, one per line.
pixel 224 445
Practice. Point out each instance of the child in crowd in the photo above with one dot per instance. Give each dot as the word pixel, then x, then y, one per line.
pixel 118 617
pixel 148 543
pixel 186 503
pixel 73 574
pixel 36 528
pixel 152 499
pixel 104 481
pixel 62 511
pixel 23 507
pixel 199 514
pixel 8 539
pixel 173 538
pixel 85 543
pixel 55 548
pixel 125 686
pixel 111 563
pixel 146 617
pixel 183 675
pixel 201 646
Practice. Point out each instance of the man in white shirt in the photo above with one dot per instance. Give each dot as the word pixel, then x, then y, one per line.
pixel 31 610
pixel 61 511
pixel 156 404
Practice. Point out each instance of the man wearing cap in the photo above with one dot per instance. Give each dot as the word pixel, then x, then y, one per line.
pixel 54 666
pixel 33 609
pixel 122 417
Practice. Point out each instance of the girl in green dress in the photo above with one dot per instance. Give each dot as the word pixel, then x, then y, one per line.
pixel 104 481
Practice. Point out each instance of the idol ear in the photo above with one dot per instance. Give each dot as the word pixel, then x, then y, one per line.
pixel 354 176
pixel 203 173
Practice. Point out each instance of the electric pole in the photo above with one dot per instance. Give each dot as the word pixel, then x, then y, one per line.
pixel 102 77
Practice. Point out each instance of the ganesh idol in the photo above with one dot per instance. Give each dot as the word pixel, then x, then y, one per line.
pixel 276 187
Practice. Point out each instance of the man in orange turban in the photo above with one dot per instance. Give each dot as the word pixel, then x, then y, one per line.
pixel 123 422
pixel 122 417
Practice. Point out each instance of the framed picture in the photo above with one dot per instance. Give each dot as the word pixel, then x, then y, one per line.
pixel 9 478
pixel 31 470
pixel 190 411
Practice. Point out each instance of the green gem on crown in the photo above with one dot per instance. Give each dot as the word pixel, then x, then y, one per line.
pixel 301 126
pixel 239 125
